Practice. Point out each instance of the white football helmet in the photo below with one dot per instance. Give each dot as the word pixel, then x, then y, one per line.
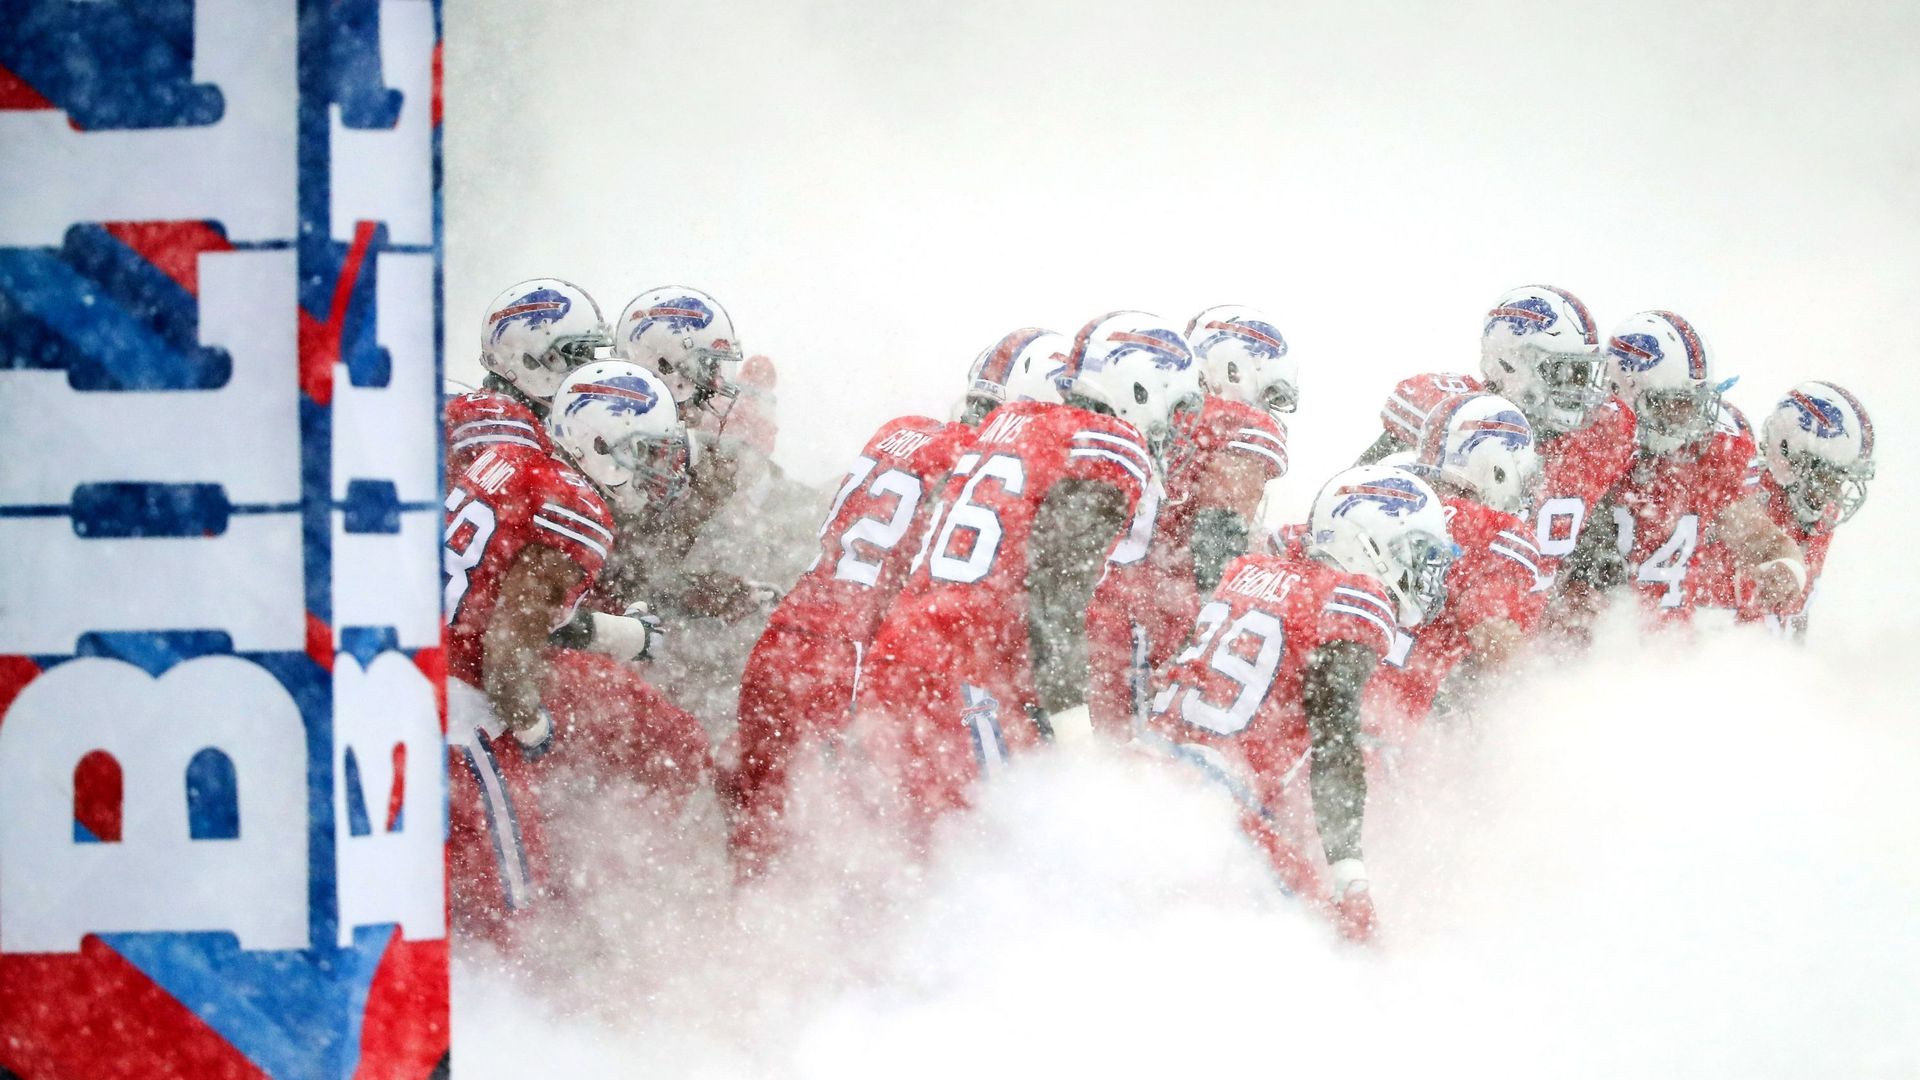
pixel 1242 356
pixel 1664 370
pixel 617 422
pixel 1540 350
pixel 1138 367
pixel 1389 525
pixel 1483 444
pixel 1818 444
pixel 686 338
pixel 537 331
pixel 1026 365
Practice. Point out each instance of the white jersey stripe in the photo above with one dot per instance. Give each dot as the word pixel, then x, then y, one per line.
pixel 1532 567
pixel 556 508
pixel 480 440
pixel 1256 433
pixel 1139 452
pixel 555 527
pixel 1521 542
pixel 1279 459
pixel 1378 603
pixel 503 422
pixel 1368 616
pixel 1113 457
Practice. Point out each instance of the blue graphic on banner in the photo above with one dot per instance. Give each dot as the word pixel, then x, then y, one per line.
pixel 220 348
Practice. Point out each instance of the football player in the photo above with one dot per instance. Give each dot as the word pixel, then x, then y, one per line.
pixel 1696 460
pixel 1270 687
pixel 798 688
pixel 686 338
pixel 1539 349
pixel 533 335
pixel 1224 454
pixel 526 532
pixel 1477 451
pixel 985 651
pixel 1817 444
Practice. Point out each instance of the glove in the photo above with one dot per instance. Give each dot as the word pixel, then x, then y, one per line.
pixel 1072 727
pixel 1352 901
pixel 537 736
pixel 764 593
pixel 626 637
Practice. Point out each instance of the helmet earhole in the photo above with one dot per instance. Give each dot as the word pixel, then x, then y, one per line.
pixel 1139 394
pixel 1499 475
pixel 1233 371
pixel 599 445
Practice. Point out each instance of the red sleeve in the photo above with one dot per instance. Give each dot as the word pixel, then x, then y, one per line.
pixel 571 518
pixel 1356 609
pixel 481 417
pixel 1109 450
pixel 1730 471
pixel 1502 581
pixel 1407 407
pixel 1252 434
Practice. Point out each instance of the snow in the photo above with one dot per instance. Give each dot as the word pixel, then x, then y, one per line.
pixel 1666 860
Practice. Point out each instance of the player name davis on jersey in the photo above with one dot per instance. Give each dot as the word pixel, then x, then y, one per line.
pixel 1004 428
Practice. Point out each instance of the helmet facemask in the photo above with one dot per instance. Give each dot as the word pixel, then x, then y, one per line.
pixel 1421 587
pixel 644 470
pixel 1669 420
pixel 1823 495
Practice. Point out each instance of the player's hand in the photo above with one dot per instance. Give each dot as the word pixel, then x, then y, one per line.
pixel 626 637
pixel 1778 583
pixel 1353 912
pixel 535 737
pixel 765 593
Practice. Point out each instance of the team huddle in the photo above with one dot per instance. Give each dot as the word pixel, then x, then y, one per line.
pixel 1087 552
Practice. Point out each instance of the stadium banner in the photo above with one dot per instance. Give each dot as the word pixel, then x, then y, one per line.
pixel 222 764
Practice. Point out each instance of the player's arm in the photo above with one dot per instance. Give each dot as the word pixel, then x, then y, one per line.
pixel 1072 532
pixel 1387 443
pixel 1337 672
pixel 532 593
pixel 1764 551
pixel 1595 559
pixel 1228 494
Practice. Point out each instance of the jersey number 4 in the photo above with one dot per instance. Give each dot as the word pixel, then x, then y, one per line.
pixel 1666 567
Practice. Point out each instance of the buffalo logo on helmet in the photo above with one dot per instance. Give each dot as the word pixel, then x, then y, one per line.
pixel 679 315
pixel 620 394
pixel 1395 496
pixel 1506 426
pixel 1522 316
pixel 1163 347
pixel 536 309
pixel 1261 340
pixel 1822 418
pixel 1635 352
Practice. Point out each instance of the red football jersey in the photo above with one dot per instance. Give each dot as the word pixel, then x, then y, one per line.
pixel 873 529
pixel 1233 701
pixel 1147 601
pixel 1669 504
pixel 1496 576
pixel 1719 582
pixel 506 498
pixel 1413 399
pixel 1577 470
pixel 482 418
pixel 947 691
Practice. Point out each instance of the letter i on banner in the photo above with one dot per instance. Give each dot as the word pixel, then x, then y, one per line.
pixel 222 779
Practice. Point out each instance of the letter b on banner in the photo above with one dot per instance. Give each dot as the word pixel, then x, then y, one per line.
pixel 222 790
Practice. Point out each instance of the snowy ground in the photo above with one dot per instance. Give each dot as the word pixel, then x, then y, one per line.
pixel 1662 862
